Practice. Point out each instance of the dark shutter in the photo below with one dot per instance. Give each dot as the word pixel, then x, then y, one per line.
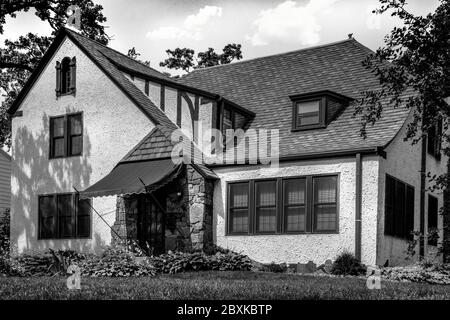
pixel 433 209
pixel 73 73
pixel 58 78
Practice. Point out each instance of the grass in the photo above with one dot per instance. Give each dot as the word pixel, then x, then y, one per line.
pixel 216 285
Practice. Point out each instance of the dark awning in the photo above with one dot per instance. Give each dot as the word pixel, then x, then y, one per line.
pixel 126 178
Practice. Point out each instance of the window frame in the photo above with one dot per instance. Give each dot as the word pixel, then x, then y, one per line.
pixel 391 231
pixel 280 207
pixel 434 143
pixel 322 113
pixel 57 232
pixel 67 135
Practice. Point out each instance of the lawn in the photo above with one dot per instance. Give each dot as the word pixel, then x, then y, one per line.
pixel 217 285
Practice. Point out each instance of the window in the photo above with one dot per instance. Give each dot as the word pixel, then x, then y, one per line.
pixel 308 113
pixel 64 216
pixel 239 207
pixel 325 203
pixel 433 209
pixel 283 205
pixel 65 76
pixel 66 136
pixel 399 209
pixel 315 110
pixel 434 140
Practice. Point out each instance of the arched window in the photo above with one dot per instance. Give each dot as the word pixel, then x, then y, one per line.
pixel 65 76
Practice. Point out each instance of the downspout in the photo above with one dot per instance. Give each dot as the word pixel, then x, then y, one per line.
pixel 358 206
pixel 423 166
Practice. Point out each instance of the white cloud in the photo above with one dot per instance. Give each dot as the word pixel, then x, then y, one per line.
pixel 192 26
pixel 373 20
pixel 289 22
pixel 203 17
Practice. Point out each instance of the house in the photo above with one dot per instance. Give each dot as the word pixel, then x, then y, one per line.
pixel 5 181
pixel 102 152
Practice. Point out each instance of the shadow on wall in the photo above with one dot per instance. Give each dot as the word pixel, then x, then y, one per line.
pixel 34 174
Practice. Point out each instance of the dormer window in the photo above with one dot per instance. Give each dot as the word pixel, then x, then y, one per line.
pixel 65 76
pixel 316 110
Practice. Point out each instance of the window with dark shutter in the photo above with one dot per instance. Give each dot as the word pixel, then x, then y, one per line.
pixel 239 207
pixel 66 136
pixel 284 205
pixel 64 216
pixel 66 76
pixel 399 209
pixel 433 209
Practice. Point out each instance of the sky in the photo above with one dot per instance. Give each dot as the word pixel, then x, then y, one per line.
pixel 262 27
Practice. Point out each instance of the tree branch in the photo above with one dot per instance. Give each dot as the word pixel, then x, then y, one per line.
pixel 22 66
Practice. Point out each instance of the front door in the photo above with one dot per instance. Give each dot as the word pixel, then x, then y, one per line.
pixel 150 226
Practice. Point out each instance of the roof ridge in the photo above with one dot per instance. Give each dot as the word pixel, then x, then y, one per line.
pixel 273 55
pixel 116 51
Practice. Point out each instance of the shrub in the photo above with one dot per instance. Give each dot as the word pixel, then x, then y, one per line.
pixel 222 260
pixel 4 231
pixel 347 264
pixel 274 267
pixel 115 262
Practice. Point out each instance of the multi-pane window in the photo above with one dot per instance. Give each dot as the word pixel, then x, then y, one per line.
pixel 239 207
pixel 399 209
pixel 64 216
pixel 308 113
pixel 325 203
pixel 295 205
pixel 66 136
pixel 266 206
pixel 284 205
pixel 65 76
pixel 433 209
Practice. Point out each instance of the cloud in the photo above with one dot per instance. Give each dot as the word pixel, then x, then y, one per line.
pixel 373 20
pixel 289 22
pixel 192 26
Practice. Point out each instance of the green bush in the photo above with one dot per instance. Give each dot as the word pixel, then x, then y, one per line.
pixel 222 260
pixel 116 262
pixel 347 264
pixel 274 267
pixel 4 231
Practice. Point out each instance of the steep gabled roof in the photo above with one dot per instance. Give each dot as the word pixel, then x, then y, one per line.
pixel 5 155
pixel 104 57
pixel 264 85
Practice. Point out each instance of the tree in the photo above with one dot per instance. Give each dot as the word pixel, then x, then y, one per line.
pixel 133 54
pixel 413 69
pixel 183 58
pixel 18 58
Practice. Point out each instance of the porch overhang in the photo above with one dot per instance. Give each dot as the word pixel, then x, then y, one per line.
pixel 134 178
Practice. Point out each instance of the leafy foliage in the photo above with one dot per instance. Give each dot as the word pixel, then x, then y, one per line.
pixel 413 71
pixel 422 272
pixel 347 264
pixel 133 54
pixel 183 58
pixel 198 261
pixel 18 58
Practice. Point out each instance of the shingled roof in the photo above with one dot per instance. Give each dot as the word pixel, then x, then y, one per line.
pixel 263 86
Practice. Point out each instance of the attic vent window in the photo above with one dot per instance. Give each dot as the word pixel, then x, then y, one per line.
pixel 65 76
pixel 316 110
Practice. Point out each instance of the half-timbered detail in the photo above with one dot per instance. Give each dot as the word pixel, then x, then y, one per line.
pixel 105 165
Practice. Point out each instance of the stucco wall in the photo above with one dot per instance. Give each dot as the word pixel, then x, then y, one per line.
pixel 305 247
pixel 403 161
pixel 112 126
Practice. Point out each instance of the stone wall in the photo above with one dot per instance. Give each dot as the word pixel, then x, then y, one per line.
pixel 188 218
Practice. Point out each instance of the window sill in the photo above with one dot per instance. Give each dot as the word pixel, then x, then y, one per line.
pixel 65 157
pixel 309 127
pixel 70 238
